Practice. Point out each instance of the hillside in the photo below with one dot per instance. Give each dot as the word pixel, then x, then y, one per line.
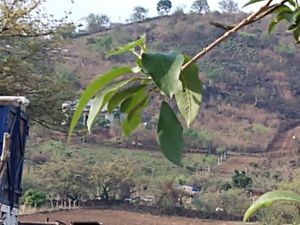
pixel 249 121
pixel 250 80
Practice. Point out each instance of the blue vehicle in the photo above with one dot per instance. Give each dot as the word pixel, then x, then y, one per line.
pixel 13 131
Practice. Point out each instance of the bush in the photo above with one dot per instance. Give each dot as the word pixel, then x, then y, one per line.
pixel 241 180
pixel 260 128
pixel 278 214
pixel 225 186
pixel 234 202
pixel 181 180
pixel 103 44
pixel 168 198
pixel 285 48
pixel 205 203
pixel 34 198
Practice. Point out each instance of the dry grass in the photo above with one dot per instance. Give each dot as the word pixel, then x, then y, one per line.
pixel 245 127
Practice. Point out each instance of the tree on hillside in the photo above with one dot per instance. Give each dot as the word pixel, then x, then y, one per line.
pixel 139 14
pixel 163 7
pixel 97 22
pixel 228 6
pixel 200 6
pixel 67 180
pixel 112 180
pixel 29 42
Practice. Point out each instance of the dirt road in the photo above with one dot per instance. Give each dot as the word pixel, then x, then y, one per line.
pixel 114 217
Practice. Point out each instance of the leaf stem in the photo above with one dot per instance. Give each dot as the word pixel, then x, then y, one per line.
pixel 261 13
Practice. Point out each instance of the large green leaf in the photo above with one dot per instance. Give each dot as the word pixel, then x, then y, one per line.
pixel 164 70
pixel 101 100
pixel 133 118
pixel 94 110
pixel 169 133
pixel 283 12
pixel 130 46
pixel 270 198
pixel 133 100
pixel 120 96
pixel 189 99
pixel 133 107
pixel 92 89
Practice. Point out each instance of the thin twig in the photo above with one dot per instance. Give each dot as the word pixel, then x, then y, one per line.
pixel 262 12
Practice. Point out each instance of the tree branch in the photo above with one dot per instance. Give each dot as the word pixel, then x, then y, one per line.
pixel 262 12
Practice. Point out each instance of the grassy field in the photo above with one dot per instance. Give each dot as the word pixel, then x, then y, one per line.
pixel 149 167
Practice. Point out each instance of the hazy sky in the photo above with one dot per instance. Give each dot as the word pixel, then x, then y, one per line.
pixel 117 10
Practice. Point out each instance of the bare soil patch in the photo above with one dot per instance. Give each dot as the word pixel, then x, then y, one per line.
pixel 118 217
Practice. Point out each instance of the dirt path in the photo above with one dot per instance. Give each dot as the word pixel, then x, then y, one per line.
pixel 114 217
pixel 283 141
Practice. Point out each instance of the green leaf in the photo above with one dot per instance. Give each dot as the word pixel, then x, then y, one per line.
pixel 128 47
pixel 92 89
pixel 101 100
pixel 189 99
pixel 133 118
pixel 164 70
pixel 94 110
pixel 296 17
pixel 133 107
pixel 169 133
pixel 272 25
pixel 292 2
pixel 270 198
pixel 252 2
pixel 133 100
pixel 284 12
pixel 296 34
pixel 282 9
pixel 120 96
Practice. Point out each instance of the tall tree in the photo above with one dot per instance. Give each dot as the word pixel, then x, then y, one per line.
pixel 228 6
pixel 97 22
pixel 112 179
pixel 67 180
pixel 200 6
pixel 139 14
pixel 163 7
pixel 28 50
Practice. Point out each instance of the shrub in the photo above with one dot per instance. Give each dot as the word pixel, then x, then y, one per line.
pixel 241 180
pixel 260 128
pixel 225 186
pixel 103 44
pixel 168 198
pixel 234 202
pixel 34 198
pixel 279 214
pixel 181 180
pixel 285 48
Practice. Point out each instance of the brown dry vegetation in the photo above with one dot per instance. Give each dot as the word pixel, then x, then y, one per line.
pixel 251 68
